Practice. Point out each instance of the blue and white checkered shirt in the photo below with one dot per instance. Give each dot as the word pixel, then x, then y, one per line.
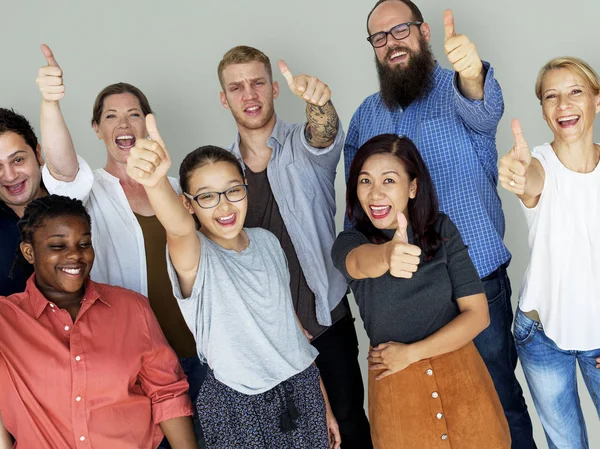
pixel 457 138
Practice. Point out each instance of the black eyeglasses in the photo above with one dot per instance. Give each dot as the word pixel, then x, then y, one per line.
pixel 399 32
pixel 208 200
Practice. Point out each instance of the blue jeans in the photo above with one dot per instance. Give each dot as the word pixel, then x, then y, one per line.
pixel 552 379
pixel 196 373
pixel 497 349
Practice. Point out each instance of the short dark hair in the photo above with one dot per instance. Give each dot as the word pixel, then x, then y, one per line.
pixel 115 89
pixel 11 121
pixel 414 9
pixel 423 209
pixel 202 156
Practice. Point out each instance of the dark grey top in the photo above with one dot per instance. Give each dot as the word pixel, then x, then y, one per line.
pixel 263 212
pixel 409 310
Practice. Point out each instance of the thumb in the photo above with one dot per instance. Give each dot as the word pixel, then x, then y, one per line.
pixel 49 56
pixel 448 23
pixel 521 149
pixel 285 71
pixel 401 233
pixel 153 130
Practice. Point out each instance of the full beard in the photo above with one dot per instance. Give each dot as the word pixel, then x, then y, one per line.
pixel 400 86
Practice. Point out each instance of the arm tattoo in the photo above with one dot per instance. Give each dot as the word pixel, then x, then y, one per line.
pixel 322 125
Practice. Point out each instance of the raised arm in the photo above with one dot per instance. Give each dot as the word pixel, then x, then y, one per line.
pixel 148 164
pixel 397 256
pixel 519 172
pixel 321 117
pixel 57 144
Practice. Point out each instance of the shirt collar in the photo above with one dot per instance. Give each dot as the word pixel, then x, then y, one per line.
pixel 39 301
pixel 6 211
pixel 277 136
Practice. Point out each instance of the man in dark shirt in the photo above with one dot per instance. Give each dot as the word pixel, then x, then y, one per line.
pixel 20 182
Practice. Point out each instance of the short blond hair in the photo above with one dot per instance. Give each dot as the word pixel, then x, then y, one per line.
pixel 243 54
pixel 575 65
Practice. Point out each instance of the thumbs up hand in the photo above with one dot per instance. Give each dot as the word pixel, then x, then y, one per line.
pixel 514 165
pixel 149 161
pixel 49 78
pixel 309 88
pixel 461 52
pixel 403 257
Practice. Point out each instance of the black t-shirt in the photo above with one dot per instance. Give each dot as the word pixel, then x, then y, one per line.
pixel 9 245
pixel 263 212
pixel 409 310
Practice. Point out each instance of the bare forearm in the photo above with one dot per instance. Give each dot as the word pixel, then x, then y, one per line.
pixel 367 261
pixel 534 184
pixel 57 144
pixel 180 433
pixel 322 124
pixel 454 335
pixel 170 210
pixel 472 88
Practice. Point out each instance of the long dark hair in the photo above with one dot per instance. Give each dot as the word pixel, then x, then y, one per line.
pixel 423 209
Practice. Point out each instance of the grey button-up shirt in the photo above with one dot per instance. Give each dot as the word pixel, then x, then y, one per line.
pixel 302 179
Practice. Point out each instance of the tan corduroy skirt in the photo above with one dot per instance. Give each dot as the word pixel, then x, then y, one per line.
pixel 445 402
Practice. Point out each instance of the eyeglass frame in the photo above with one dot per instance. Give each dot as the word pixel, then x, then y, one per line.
pixel 407 24
pixel 224 192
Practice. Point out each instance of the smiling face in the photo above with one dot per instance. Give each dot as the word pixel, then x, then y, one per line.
pixel 249 94
pixel 568 105
pixel 122 122
pixel 384 189
pixel 20 172
pixel 224 222
pixel 397 53
pixel 62 255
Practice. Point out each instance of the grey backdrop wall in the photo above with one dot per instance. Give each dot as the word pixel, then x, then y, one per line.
pixel 171 50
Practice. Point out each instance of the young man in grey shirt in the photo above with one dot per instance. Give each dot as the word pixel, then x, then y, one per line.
pixel 290 170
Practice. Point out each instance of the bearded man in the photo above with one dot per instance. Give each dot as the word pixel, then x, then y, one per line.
pixel 451 116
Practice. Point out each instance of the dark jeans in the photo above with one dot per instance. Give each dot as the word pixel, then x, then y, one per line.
pixel 196 373
pixel 338 364
pixel 497 348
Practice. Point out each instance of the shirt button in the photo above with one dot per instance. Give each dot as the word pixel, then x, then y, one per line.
pixel 78 358
pixel 429 372
pixel 82 438
pixel 67 328
pixel 444 437
pixel 439 416
pixel 78 398
pixel 434 395
pixel 52 305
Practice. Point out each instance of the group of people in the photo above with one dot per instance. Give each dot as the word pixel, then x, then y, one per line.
pixel 143 311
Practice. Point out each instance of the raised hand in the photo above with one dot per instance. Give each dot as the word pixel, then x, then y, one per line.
pixel 403 257
pixel 461 52
pixel 149 161
pixel 309 88
pixel 49 78
pixel 514 165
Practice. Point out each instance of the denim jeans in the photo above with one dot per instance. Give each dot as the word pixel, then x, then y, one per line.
pixel 552 379
pixel 497 348
pixel 196 373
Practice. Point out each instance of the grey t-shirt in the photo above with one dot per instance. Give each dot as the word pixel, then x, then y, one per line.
pixel 240 312
pixel 409 310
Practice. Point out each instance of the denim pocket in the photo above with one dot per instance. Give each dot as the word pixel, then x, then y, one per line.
pixel 524 329
pixel 494 289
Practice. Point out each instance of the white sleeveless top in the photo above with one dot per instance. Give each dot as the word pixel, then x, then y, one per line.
pixel 562 281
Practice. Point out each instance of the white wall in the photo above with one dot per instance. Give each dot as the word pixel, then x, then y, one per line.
pixel 171 50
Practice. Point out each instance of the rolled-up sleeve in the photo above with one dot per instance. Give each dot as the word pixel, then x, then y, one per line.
pixel 80 188
pixel 327 157
pixel 161 376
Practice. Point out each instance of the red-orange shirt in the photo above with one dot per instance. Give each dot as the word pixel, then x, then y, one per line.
pixel 105 381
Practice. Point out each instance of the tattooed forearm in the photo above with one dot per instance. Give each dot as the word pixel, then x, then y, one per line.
pixel 322 125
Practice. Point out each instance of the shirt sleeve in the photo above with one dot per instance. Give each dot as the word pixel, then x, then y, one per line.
pixel 161 376
pixel 463 275
pixel 328 157
pixel 80 188
pixel 482 116
pixel 350 149
pixel 344 243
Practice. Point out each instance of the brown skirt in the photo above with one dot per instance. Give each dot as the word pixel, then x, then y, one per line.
pixel 448 401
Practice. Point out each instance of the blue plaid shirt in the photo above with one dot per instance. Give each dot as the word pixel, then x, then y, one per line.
pixel 457 138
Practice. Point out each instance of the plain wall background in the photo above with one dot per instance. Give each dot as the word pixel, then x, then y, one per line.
pixel 170 50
